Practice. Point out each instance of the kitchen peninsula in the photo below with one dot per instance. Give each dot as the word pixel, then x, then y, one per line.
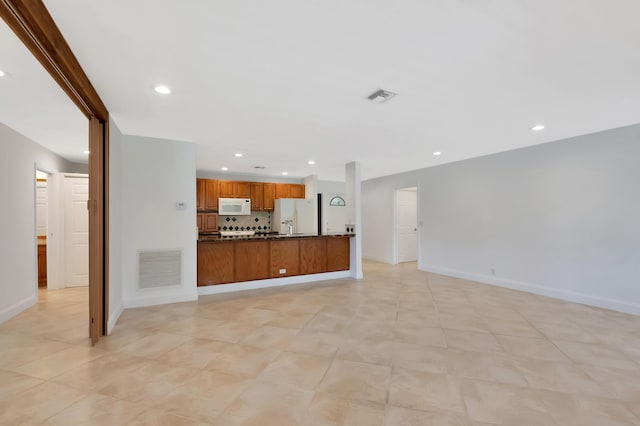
pixel 224 260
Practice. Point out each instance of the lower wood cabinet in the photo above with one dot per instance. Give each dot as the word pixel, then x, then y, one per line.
pixel 285 258
pixel 216 263
pixel 313 256
pixel 251 260
pixel 223 262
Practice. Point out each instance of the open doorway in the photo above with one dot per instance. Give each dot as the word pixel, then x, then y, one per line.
pixel 406 225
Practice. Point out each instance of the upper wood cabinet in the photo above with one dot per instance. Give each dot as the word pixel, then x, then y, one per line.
pixel 296 191
pixel 234 189
pixel 257 195
pixel 211 194
pixel 200 191
pixel 268 196
pixel 290 190
pixel 207 222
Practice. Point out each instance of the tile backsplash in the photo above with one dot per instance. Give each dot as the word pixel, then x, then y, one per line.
pixel 257 221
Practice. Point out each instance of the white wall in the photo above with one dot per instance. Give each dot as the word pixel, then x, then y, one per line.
pixel 333 218
pixel 155 174
pixel 116 302
pixel 19 157
pixel 559 219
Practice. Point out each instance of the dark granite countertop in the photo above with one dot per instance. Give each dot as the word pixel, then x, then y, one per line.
pixel 212 238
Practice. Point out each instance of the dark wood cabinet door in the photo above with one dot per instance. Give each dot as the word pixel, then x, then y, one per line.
pixel 211 194
pixel 210 222
pixel 257 196
pixel 200 194
pixel 269 196
pixel 215 263
pixel 313 255
pixel 282 190
pixel 338 254
pixel 284 258
pixel 296 191
pixel 251 260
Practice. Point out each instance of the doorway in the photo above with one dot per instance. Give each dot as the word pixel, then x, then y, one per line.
pixel 406 226
pixel 42 205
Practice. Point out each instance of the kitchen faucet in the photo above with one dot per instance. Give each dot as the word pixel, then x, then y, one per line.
pixel 289 223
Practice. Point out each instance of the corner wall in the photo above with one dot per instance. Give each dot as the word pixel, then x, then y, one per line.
pixel 558 219
pixel 19 157
pixel 155 175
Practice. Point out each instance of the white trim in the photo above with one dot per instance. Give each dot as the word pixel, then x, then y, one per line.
pixel 377 258
pixel 113 317
pixel 142 301
pixel 13 310
pixel 273 282
pixel 557 293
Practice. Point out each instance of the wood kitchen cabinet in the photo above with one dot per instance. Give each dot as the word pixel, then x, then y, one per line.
pixel 200 194
pixel 200 221
pixel 338 254
pixel 268 196
pixel 216 263
pixel 234 189
pixel 251 260
pixel 285 258
pixel 289 190
pixel 257 196
pixel 211 194
pixel 313 256
pixel 210 222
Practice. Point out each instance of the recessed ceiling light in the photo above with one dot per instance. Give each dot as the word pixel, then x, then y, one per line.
pixel 285 173
pixel 86 151
pixel 224 168
pixel 436 153
pixel 2 74
pixel 238 154
pixel 311 162
pixel 162 89
pixel 537 128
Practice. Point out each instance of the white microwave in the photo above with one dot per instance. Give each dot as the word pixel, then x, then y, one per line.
pixel 234 206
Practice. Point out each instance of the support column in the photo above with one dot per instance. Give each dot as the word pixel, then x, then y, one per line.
pixel 353 200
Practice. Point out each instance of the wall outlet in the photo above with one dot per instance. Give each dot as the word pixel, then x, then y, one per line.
pixel 283 271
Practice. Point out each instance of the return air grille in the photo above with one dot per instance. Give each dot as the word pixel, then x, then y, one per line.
pixel 160 268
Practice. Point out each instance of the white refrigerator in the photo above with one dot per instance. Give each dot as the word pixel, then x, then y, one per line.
pixel 300 213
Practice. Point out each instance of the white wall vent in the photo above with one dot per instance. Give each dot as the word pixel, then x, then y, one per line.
pixel 160 268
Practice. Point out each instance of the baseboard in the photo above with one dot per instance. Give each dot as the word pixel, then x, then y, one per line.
pixel 16 308
pixel 113 317
pixel 570 296
pixel 142 301
pixel 375 258
pixel 273 282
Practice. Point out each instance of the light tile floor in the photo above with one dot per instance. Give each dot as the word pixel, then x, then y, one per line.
pixel 400 347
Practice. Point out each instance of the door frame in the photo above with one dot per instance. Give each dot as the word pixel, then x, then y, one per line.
pixel 34 26
pixel 395 245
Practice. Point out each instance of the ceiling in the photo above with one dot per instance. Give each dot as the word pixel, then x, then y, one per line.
pixel 33 104
pixel 285 81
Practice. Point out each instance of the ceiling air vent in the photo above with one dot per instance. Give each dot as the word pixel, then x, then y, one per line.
pixel 259 167
pixel 380 96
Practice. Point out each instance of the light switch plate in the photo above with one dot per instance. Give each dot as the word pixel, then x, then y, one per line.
pixel 181 206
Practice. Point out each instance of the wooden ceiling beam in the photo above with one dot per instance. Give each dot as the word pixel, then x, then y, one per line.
pixel 31 22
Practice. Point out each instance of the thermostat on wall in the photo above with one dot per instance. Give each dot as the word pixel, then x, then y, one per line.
pixel 181 206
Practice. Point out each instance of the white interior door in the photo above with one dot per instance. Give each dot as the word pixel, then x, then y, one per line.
pixel 76 231
pixel 407 224
pixel 41 208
